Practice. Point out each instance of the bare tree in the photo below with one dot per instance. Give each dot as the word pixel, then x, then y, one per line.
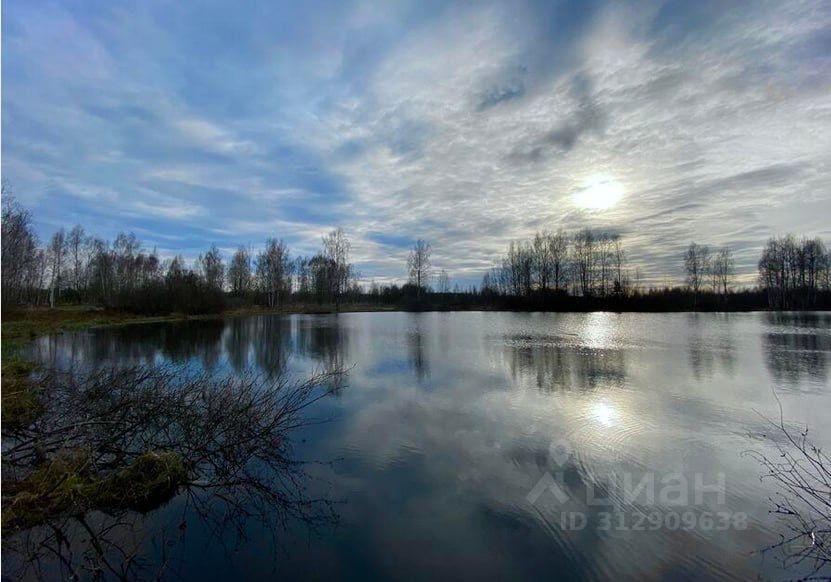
pixel 22 262
pixel 274 271
pixel 443 282
pixel 543 260
pixel 619 260
pixel 130 439
pixel 518 268
pixel 813 257
pixel 791 271
pixel 802 472
pixel 336 249
pixel 418 264
pixel 212 268
pixel 636 283
pixel 584 261
pixel 558 250
pixel 303 276
pixel 56 254
pixel 76 250
pixel 723 270
pixel 697 265
pixel 239 272
pixel 125 250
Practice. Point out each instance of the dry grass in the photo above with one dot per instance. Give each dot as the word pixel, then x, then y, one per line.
pixel 67 485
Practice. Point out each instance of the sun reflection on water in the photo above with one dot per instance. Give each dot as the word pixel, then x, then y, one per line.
pixel 604 413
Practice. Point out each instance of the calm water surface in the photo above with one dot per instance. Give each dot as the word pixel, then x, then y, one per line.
pixel 444 444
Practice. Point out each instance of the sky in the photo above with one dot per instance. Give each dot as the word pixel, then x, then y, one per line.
pixel 467 124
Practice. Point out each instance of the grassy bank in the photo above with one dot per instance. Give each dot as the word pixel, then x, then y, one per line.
pixel 63 483
pixel 20 398
pixel 20 401
pixel 44 481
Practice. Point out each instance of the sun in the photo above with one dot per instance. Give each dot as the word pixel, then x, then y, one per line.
pixel 599 193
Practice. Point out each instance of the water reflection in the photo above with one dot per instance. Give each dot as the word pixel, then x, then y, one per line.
pixel 416 346
pixel 267 341
pixel 711 344
pixel 449 418
pixel 176 342
pixel 264 342
pixel 553 365
pixel 325 340
pixel 797 348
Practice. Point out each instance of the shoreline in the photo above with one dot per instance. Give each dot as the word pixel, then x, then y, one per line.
pixel 22 326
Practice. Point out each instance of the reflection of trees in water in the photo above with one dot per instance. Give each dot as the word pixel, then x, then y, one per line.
pixel 271 340
pixel 127 545
pixel 324 340
pixel 797 346
pixel 270 337
pixel 238 340
pixel 793 356
pixel 130 440
pixel 70 350
pixel 196 340
pixel 178 342
pixel 266 338
pixel 710 344
pixel 805 319
pixel 416 345
pixel 559 366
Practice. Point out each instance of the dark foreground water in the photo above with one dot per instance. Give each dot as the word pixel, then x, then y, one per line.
pixel 511 446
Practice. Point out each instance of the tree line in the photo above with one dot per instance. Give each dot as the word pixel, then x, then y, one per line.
pixel 122 274
pixel 583 269
pixel 587 263
pixel 794 271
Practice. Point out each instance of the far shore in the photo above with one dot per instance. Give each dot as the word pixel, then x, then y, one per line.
pixel 26 324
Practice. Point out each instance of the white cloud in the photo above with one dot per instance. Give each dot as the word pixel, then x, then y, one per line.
pixel 469 127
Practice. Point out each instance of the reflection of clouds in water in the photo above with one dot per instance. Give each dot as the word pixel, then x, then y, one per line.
pixel 472 454
pixel 449 418
pixel 710 344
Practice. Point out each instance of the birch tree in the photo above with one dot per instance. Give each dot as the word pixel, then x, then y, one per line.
pixel 211 268
pixel 336 249
pixel 418 264
pixel 239 272
pixel 697 266
pixel 56 253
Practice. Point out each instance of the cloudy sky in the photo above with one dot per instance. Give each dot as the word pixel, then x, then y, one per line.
pixel 468 124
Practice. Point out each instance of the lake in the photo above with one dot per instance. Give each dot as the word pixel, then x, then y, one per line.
pixel 511 445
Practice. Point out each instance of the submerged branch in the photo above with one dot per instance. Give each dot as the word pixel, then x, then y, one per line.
pixel 802 472
pixel 122 441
